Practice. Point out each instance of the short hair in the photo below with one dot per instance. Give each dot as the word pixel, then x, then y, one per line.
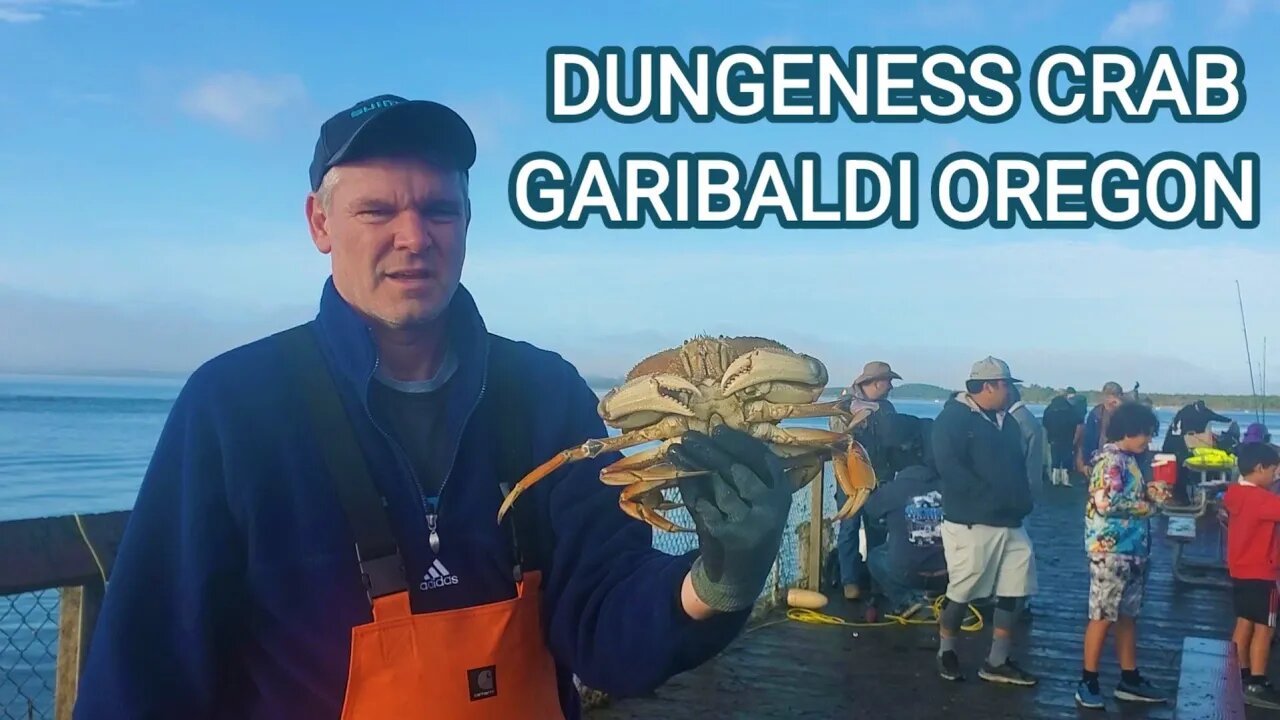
pixel 1251 456
pixel 1131 419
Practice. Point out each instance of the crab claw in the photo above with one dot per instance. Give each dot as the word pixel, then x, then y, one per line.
pixel 644 400
pixel 855 476
pixel 769 365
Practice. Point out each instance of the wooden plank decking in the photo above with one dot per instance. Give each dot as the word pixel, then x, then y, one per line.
pixel 793 670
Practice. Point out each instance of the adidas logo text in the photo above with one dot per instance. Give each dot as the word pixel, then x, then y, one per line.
pixel 437 577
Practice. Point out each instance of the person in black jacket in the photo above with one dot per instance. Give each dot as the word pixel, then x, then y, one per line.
pixel 1060 421
pixel 911 560
pixel 978 449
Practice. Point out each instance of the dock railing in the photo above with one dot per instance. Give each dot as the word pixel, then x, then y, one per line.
pixel 53 572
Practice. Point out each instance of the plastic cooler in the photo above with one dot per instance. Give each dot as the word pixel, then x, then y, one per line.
pixel 1164 468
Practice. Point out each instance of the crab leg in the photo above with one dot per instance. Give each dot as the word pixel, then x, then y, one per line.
pixel 632 503
pixel 765 411
pixel 853 470
pixel 646 515
pixel 644 466
pixel 664 430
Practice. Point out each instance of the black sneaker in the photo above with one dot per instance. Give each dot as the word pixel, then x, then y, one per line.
pixel 1009 674
pixel 1261 695
pixel 1141 691
pixel 949 666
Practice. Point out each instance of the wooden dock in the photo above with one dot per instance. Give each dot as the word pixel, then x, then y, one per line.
pixel 793 670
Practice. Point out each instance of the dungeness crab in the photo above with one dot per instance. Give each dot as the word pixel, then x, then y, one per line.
pixel 747 383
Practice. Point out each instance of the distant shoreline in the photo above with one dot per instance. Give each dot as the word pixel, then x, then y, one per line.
pixel 1039 395
pixel 1031 393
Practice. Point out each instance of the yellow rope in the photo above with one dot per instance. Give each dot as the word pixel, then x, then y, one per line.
pixel 92 551
pixel 814 617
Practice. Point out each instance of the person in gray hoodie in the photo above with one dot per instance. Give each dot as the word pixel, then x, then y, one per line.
pixel 1033 441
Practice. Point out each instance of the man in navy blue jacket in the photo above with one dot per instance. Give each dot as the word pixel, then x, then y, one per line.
pixel 236 588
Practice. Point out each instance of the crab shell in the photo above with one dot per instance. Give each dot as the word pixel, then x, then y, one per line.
pixel 713 381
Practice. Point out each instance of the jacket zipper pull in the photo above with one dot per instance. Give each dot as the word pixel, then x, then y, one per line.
pixel 433 539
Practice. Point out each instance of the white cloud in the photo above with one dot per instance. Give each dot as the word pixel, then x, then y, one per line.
pixel 1235 13
pixel 1062 308
pixel 25 11
pixel 1237 10
pixel 243 102
pixel 1075 310
pixel 1140 17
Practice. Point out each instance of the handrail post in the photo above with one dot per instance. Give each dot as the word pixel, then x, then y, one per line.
pixel 77 615
pixel 813 555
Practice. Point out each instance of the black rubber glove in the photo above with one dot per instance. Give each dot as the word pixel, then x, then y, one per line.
pixel 739 511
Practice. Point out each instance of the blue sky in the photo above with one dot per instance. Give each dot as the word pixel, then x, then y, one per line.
pixel 154 171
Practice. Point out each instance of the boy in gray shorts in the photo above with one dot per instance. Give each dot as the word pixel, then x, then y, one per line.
pixel 1118 540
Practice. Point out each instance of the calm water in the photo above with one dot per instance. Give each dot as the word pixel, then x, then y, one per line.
pixel 81 445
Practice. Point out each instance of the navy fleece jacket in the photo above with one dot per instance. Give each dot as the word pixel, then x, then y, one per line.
pixel 235 588
pixel 983 469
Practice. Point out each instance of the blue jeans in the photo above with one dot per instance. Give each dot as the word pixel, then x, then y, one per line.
pixel 853 571
pixel 899 588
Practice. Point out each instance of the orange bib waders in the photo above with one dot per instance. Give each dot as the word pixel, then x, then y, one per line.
pixel 487 661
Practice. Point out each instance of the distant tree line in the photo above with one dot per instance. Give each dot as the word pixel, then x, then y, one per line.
pixel 1039 395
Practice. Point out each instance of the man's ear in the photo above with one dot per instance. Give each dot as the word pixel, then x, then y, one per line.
pixel 317 224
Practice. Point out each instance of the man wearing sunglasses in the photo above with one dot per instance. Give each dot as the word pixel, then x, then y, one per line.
pixel 985 496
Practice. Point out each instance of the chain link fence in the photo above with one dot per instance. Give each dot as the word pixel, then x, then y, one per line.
pixel 28 654
pixel 29 621
pixel 788 571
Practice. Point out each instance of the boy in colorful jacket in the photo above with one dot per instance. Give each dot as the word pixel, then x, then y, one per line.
pixel 1118 540
pixel 1253 560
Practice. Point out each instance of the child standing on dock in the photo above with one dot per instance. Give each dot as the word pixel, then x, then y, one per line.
pixel 1253 559
pixel 1118 540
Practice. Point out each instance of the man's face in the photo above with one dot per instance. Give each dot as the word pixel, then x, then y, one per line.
pixel 877 389
pixel 396 230
pixel 995 395
pixel 1000 388
pixel 1111 402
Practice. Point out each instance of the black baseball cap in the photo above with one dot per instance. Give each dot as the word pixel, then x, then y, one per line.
pixel 392 122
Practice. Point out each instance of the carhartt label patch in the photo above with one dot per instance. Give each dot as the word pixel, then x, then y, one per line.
pixel 483 682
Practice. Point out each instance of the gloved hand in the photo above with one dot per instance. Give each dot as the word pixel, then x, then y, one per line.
pixel 739 511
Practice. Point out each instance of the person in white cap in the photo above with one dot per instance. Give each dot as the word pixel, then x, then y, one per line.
pixel 873 385
pixel 985 497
